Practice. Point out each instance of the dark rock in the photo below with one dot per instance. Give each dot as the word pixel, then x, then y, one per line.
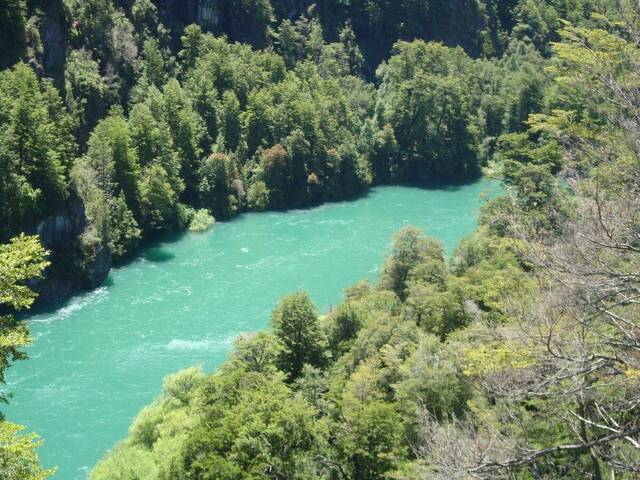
pixel 98 270
pixel 58 283
pixel 54 43
pixel 70 270
pixel 59 230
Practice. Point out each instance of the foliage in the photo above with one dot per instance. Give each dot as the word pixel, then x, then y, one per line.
pixel 36 151
pixel 427 97
pixel 409 248
pixel 158 432
pixel 314 398
pixel 295 325
pixel 516 358
pixel 18 456
pixel 201 221
pixel 21 260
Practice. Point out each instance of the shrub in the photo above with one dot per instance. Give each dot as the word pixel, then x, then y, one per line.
pixel 202 221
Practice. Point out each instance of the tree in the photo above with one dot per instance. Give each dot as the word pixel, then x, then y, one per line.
pixel 432 381
pixel 192 40
pixel 276 173
pixel 565 366
pixel 187 130
pixel 12 31
pixel 229 120
pixel 157 199
pixel 344 324
pixel 111 153
pixel 410 248
pixel 354 55
pixel 87 91
pixel 215 185
pixel 260 432
pixel 18 456
pixel 384 155
pixel 124 233
pixel 295 325
pixel 427 98
pixel 21 260
pixel 258 352
pixel 154 64
pixel 36 152
pixel 145 18
pixel 258 196
pixel 369 445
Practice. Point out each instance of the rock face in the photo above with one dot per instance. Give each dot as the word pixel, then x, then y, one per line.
pixel 178 13
pixel 54 40
pixel 60 230
pixel 208 13
pixel 59 234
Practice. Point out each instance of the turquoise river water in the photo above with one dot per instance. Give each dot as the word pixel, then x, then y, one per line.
pixel 100 356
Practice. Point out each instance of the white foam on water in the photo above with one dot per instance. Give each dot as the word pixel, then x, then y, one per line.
pixel 335 221
pixel 204 344
pixel 75 305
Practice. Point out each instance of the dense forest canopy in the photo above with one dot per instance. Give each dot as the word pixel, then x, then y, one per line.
pixel 515 358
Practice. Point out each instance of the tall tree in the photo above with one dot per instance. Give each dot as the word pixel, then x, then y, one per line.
pixel 21 260
pixel 295 324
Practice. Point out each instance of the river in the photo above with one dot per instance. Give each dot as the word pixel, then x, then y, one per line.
pixel 100 356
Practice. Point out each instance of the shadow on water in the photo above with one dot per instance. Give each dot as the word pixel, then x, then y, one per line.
pixel 157 255
pixel 151 249
pixel 443 185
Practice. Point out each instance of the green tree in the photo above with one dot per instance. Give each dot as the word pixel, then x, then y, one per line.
pixel 154 63
pixel 18 455
pixel 187 130
pixel 86 90
pixel 192 40
pixel 230 120
pixel 258 195
pixel 431 381
pixel 410 248
pixel 261 432
pixel 369 440
pixel 124 232
pixel 276 173
pixel 344 323
pixel 21 260
pixel 295 325
pixel 12 31
pixel 215 185
pixel 36 151
pixel 158 200
pixel 111 154
pixel 384 155
pixel 427 98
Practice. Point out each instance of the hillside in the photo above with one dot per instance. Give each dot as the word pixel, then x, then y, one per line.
pixel 122 121
pixel 92 74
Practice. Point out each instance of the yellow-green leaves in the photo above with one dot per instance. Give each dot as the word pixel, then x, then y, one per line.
pixel 495 357
pixel 18 456
pixel 21 260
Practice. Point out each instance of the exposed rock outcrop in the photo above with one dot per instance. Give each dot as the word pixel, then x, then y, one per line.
pixel 70 271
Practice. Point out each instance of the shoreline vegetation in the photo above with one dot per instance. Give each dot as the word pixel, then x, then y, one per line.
pixel 518 358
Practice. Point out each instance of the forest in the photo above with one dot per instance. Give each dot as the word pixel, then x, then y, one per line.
pixel 517 357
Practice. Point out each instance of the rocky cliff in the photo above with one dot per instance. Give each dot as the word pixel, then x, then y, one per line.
pixel 71 269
